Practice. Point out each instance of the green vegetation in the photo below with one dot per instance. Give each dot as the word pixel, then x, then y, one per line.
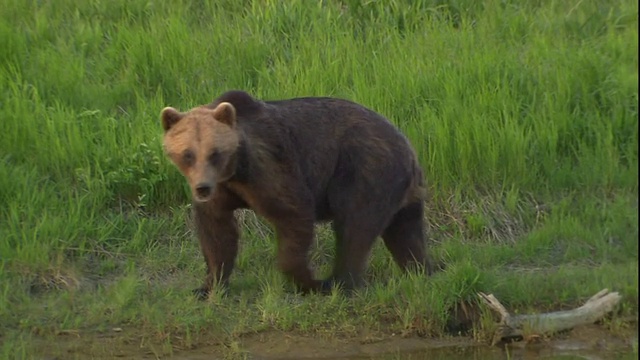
pixel 524 114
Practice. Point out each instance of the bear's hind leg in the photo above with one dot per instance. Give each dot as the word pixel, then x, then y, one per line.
pixel 404 238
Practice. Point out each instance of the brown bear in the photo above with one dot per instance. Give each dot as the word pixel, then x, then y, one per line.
pixel 297 162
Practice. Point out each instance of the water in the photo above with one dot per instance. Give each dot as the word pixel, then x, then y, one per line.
pixel 583 346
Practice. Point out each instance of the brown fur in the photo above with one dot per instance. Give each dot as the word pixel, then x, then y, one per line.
pixel 297 162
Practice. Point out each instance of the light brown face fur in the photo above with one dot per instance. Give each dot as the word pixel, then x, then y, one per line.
pixel 202 143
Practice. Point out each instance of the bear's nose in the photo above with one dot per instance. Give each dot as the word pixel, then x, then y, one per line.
pixel 203 190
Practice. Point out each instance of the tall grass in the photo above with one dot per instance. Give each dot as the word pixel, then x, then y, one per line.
pixel 523 113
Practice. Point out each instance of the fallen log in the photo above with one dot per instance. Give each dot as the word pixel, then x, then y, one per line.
pixel 514 326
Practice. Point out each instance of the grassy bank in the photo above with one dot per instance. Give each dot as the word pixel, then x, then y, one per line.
pixel 524 114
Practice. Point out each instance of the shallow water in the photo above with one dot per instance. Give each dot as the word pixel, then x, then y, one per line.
pixel 486 353
pixel 587 343
pixel 480 353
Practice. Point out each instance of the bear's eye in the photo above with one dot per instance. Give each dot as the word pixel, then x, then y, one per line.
pixel 214 157
pixel 188 157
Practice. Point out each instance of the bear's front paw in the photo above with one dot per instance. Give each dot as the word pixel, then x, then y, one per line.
pixel 346 288
pixel 326 286
pixel 201 293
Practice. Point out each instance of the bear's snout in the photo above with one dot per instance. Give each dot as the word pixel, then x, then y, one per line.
pixel 203 191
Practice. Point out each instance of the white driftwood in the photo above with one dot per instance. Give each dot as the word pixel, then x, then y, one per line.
pixel 537 324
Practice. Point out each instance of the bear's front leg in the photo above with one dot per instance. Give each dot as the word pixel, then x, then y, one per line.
pixel 218 234
pixel 295 236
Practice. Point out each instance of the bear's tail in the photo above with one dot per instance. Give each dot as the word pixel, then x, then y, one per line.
pixel 417 191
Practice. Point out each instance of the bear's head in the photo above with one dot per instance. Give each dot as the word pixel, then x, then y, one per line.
pixel 202 143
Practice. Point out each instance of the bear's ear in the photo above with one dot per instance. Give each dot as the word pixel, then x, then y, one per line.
pixel 170 117
pixel 225 113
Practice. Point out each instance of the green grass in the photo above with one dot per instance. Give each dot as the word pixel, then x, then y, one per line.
pixel 524 115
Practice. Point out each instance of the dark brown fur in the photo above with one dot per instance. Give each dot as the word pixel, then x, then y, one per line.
pixel 298 162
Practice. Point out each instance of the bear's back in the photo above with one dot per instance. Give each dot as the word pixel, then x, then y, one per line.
pixel 316 127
